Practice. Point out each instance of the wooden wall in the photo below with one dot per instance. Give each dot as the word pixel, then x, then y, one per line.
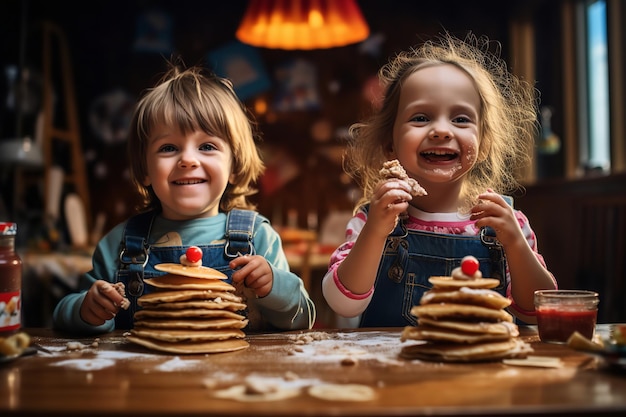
pixel 581 232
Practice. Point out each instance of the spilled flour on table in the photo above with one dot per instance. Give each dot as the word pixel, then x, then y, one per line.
pixel 336 350
pixel 85 364
pixel 103 358
pixel 346 348
pixel 177 364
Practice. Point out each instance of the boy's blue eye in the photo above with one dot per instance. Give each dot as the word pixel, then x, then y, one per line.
pixel 167 148
pixel 207 147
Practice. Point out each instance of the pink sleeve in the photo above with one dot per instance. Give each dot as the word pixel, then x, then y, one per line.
pixel 341 300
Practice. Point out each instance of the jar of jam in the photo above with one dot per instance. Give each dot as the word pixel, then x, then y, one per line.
pixel 560 313
pixel 10 281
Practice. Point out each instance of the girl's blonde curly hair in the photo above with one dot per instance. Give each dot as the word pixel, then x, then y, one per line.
pixel 507 127
pixel 195 99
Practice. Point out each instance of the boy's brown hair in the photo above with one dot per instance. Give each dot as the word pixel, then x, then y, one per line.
pixel 195 99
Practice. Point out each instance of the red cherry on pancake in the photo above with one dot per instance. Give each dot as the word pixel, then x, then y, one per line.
pixel 194 254
pixel 469 265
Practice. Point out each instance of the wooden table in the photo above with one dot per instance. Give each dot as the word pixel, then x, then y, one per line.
pixel 119 378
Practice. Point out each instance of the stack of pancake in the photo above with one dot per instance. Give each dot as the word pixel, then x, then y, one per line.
pixel 190 310
pixel 463 320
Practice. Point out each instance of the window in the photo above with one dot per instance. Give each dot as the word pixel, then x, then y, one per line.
pixel 593 81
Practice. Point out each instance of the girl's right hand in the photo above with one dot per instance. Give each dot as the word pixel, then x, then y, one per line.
pixel 389 199
pixel 101 303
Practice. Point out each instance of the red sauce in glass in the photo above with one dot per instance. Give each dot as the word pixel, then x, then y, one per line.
pixel 557 325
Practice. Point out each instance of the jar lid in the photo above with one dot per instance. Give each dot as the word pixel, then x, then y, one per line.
pixel 8 229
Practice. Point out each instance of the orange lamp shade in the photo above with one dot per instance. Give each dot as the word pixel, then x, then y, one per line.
pixel 302 24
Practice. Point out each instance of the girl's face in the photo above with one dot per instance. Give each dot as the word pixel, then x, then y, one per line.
pixel 188 173
pixel 435 133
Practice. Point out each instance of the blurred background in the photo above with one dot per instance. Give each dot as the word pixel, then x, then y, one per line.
pixel 73 71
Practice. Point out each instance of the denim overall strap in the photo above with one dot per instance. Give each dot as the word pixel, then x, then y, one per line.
pixel 239 232
pixel 134 255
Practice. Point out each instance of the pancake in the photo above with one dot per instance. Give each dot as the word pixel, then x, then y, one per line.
pixel 201 304
pixel 440 334
pixel 173 335
pixel 181 295
pixel 191 323
pixel 393 169
pixel 187 313
pixel 213 346
pixel 191 271
pixel 475 296
pixel 192 309
pixel 171 281
pixel 455 352
pixel 451 283
pixel 497 328
pixel 460 312
pixel 462 319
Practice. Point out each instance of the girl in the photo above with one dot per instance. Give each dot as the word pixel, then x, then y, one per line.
pixel 462 126
pixel 193 159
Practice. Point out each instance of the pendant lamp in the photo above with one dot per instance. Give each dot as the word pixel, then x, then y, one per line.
pixel 302 24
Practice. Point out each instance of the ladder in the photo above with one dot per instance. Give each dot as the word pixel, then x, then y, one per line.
pixel 75 173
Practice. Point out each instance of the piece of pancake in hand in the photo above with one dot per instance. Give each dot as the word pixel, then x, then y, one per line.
pixel 393 169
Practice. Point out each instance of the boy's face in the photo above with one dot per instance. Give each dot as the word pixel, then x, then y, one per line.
pixel 188 173
pixel 436 131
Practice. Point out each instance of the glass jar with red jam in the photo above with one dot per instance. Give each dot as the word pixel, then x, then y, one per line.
pixel 560 313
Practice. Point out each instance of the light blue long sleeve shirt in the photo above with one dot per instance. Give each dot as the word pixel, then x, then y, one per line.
pixel 287 306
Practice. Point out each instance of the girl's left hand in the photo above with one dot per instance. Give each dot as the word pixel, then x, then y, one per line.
pixel 254 272
pixel 493 211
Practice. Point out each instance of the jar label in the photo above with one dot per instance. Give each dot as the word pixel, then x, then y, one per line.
pixel 10 311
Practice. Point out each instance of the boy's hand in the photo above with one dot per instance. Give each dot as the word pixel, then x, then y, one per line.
pixel 101 303
pixel 253 272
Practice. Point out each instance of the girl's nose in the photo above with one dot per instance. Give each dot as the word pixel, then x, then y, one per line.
pixel 440 132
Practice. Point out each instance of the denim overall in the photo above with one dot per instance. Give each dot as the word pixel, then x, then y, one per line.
pixel 411 257
pixel 138 258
